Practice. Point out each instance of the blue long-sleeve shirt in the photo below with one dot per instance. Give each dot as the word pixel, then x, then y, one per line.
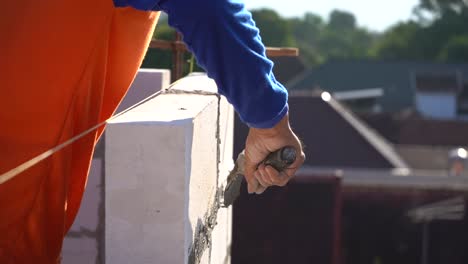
pixel 227 44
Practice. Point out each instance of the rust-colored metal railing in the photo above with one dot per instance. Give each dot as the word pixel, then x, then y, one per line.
pixel 178 49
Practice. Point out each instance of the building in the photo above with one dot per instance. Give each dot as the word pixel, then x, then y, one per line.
pixel 333 136
pixel 375 185
pixel 436 90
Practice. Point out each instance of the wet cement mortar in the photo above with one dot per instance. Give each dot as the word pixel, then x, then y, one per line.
pixel 203 231
pixel 202 240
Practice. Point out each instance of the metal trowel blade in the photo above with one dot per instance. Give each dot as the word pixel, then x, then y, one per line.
pixel 234 181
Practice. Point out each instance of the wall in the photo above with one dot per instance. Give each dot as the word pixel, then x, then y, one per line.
pixel 297 224
pixel 437 105
pixel 84 242
pixel 166 162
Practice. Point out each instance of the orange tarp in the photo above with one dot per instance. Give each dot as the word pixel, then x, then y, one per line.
pixel 64 67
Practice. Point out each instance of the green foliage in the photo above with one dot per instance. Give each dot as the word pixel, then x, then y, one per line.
pixel 440 7
pixel 340 38
pixel 341 21
pixel 439 32
pixel 274 30
pixel 306 31
pixel 162 59
pixel 163 31
pixel 317 40
pixel 438 36
pixel 456 49
pixel 398 42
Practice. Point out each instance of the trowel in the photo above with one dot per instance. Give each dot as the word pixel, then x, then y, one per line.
pixel 279 160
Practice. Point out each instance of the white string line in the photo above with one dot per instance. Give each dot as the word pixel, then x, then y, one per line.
pixel 28 164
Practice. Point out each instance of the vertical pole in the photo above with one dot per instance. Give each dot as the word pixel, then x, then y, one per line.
pixel 177 59
pixel 338 206
pixel 425 243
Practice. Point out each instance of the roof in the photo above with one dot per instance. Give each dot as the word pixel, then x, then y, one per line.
pixel 381 180
pixel 425 157
pixel 437 82
pixel 358 94
pixel 333 136
pixel 395 77
pixel 286 68
pixel 414 130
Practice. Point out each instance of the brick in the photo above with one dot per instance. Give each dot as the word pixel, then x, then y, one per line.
pixel 162 174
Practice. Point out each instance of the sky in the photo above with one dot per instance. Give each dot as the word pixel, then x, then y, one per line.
pixel 373 14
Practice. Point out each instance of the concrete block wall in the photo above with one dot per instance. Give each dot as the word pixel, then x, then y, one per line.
pixel 146 83
pixel 84 242
pixel 166 162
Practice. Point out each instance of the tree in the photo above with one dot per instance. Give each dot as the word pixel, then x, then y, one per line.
pixel 434 36
pixel 399 42
pixel 448 25
pixel 307 28
pixel 440 7
pixel 318 39
pixel 307 31
pixel 341 38
pixel 275 30
pixel 161 59
pixel 341 21
pixel 456 49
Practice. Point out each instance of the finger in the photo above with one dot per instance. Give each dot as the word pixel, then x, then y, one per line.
pixel 259 178
pixel 252 184
pixel 289 172
pixel 276 177
pixel 264 175
pixel 249 170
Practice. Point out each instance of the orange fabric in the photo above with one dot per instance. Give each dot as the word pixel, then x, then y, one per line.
pixel 64 67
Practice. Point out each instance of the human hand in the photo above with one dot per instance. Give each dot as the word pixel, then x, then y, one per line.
pixel 260 143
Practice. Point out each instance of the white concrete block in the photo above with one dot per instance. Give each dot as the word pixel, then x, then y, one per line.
pixel 90 216
pixel 146 83
pixel 221 238
pixel 162 175
pixel 81 243
pixel 79 250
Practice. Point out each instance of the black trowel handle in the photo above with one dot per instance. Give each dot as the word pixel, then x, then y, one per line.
pixel 281 159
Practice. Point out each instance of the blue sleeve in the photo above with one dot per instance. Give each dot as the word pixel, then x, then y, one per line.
pixel 227 44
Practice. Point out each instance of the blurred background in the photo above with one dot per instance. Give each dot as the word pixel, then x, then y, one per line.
pixel 379 96
pixel 421 30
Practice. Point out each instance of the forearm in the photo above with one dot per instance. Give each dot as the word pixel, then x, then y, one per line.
pixel 223 37
pixel 226 43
